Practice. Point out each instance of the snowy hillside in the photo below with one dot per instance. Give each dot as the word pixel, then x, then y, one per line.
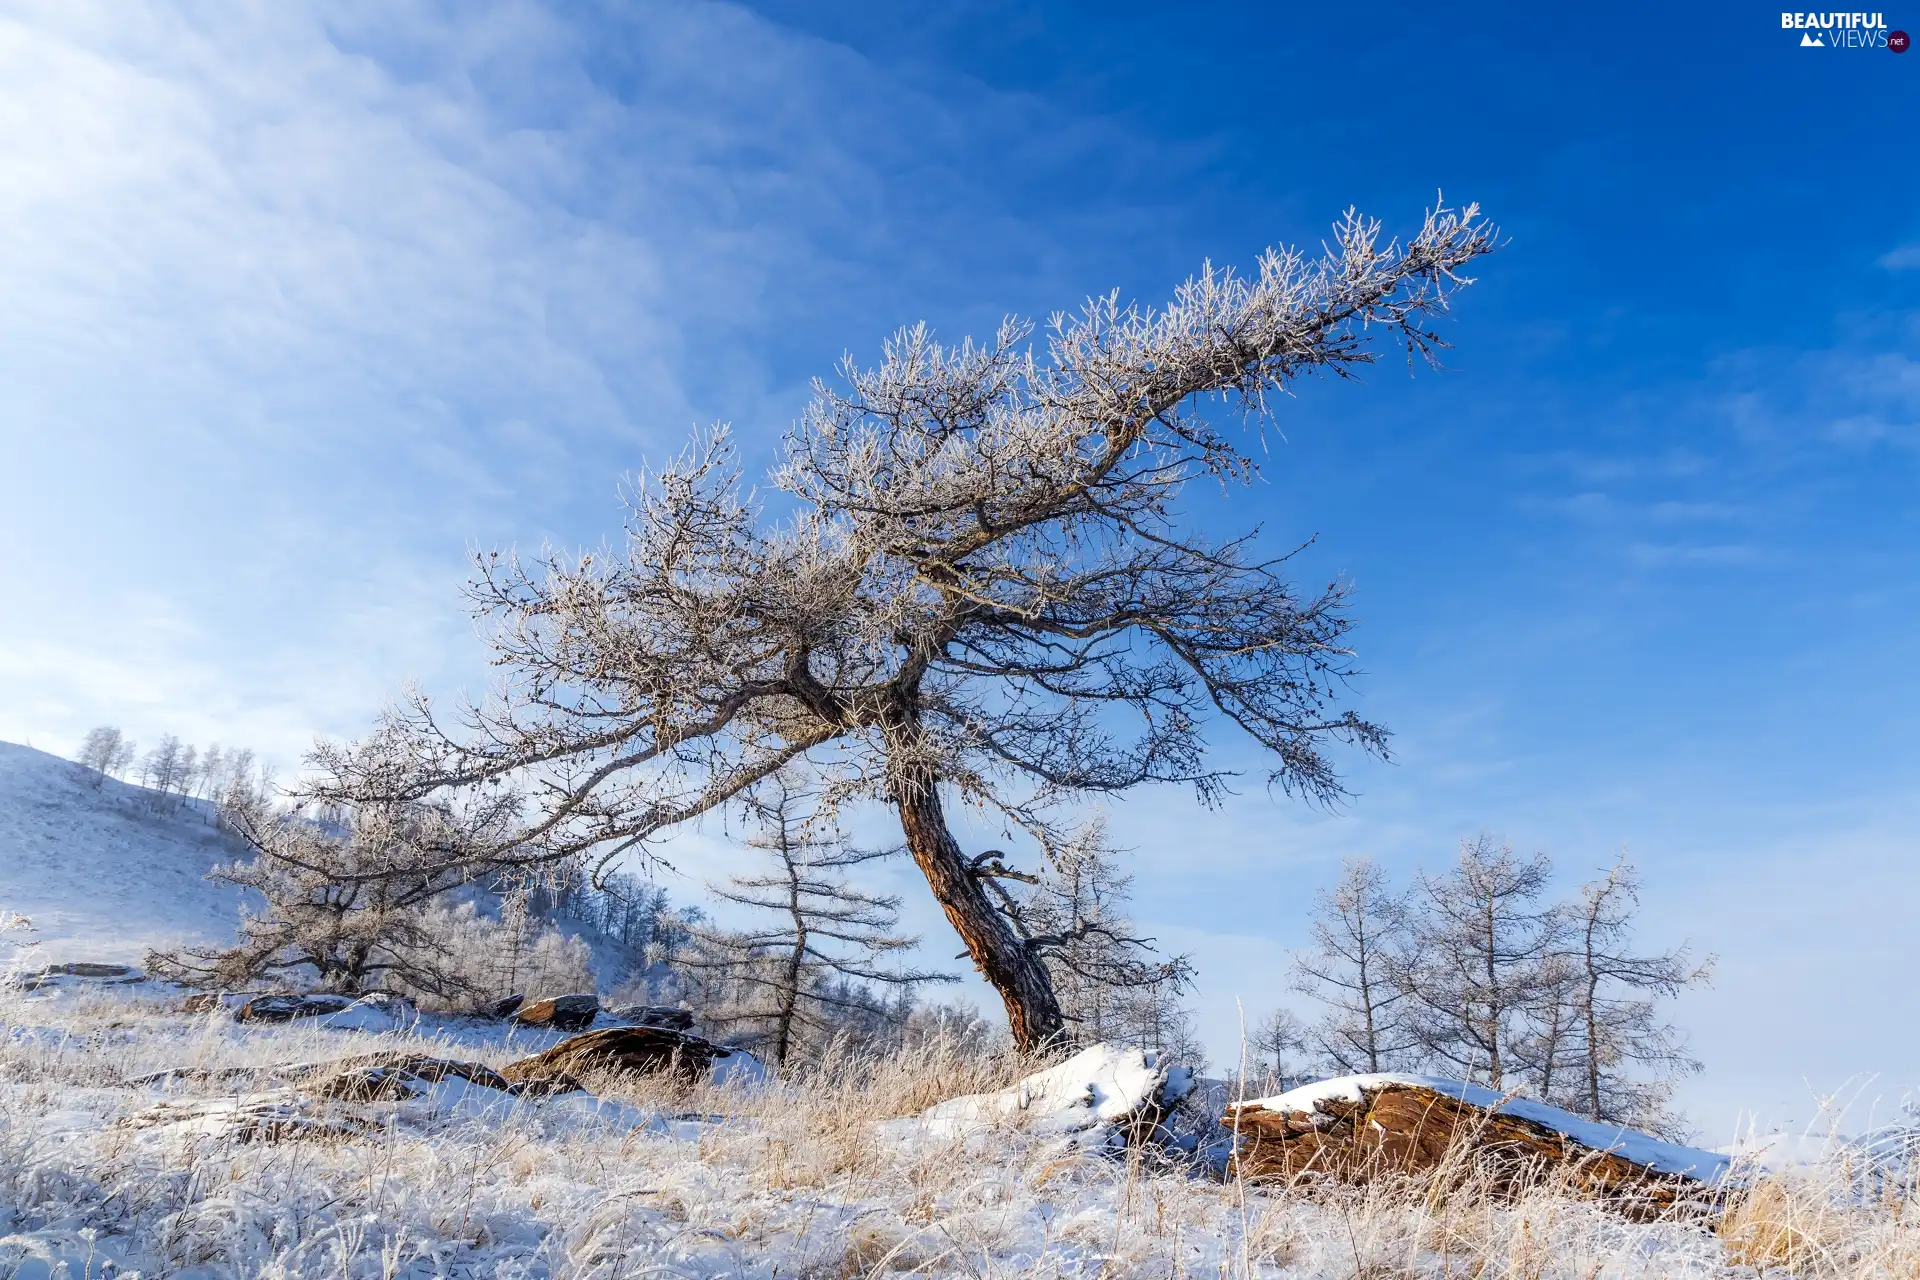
pixel 98 871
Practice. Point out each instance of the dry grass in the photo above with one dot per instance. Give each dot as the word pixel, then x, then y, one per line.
pixel 798 1179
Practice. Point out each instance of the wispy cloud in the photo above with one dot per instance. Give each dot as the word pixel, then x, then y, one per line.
pixel 303 302
pixel 1905 258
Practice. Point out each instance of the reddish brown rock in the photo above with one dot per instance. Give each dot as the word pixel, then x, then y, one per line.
pixel 637 1050
pixel 1399 1129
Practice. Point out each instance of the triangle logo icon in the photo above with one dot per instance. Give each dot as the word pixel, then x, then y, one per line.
pixel 1812 41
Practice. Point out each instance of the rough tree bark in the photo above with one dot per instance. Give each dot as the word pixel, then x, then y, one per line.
pixel 1000 954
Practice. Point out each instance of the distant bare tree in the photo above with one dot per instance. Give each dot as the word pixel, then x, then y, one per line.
pixel 100 749
pixel 1357 971
pixel 162 769
pixel 211 773
pixel 985 590
pixel 1275 1048
pixel 243 776
pixel 805 969
pixel 1482 938
pixel 1545 1047
pixel 1620 1036
pixel 1111 983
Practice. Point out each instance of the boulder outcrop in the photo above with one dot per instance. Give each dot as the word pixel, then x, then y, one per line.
pixel 562 1013
pixel 312 1004
pixel 655 1015
pixel 1358 1128
pixel 504 1007
pixel 391 1077
pixel 635 1050
pixel 85 970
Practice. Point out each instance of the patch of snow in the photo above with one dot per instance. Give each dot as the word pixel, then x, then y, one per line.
pixel 1083 1099
pixel 1630 1144
pixel 371 1014
pixel 106 872
pixel 739 1068
pixel 63 1253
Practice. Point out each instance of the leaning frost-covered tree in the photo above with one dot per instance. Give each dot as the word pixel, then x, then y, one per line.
pixel 979 588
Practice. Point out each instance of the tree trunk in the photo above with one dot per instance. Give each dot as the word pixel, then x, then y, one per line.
pixel 1033 1011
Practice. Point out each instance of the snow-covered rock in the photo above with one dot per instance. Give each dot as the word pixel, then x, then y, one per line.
pixel 672 1017
pixel 272 1115
pixel 78 973
pixel 367 1095
pixel 378 1012
pixel 1358 1127
pixel 1096 1099
pixel 286 1008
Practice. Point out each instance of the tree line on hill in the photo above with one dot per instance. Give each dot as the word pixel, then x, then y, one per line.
pixel 173 771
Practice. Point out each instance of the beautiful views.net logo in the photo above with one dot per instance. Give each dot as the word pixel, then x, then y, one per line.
pixel 1844 31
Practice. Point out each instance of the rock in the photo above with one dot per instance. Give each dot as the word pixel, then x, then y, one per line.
pixel 286 1008
pixel 1103 1098
pixel 370 1077
pixel 374 1095
pixel 227 1077
pixel 562 1013
pixel 637 1050
pixel 106 974
pixel 391 1077
pixel 655 1015
pixel 1358 1128
pixel 504 1007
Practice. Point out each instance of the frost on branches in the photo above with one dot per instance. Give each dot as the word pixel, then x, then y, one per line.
pixel 978 586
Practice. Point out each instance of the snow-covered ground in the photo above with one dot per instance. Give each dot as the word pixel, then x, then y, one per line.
pixel 137 1139
pixel 114 1168
pixel 101 872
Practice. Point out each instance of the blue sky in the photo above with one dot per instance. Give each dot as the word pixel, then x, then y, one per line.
pixel 301 303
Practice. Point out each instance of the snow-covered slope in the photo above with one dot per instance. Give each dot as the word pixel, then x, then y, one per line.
pixel 100 873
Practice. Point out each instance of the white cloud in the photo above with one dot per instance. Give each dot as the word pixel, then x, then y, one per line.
pixel 1905 258
pixel 299 307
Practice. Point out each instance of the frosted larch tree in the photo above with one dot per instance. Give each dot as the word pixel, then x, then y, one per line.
pixel 980 587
